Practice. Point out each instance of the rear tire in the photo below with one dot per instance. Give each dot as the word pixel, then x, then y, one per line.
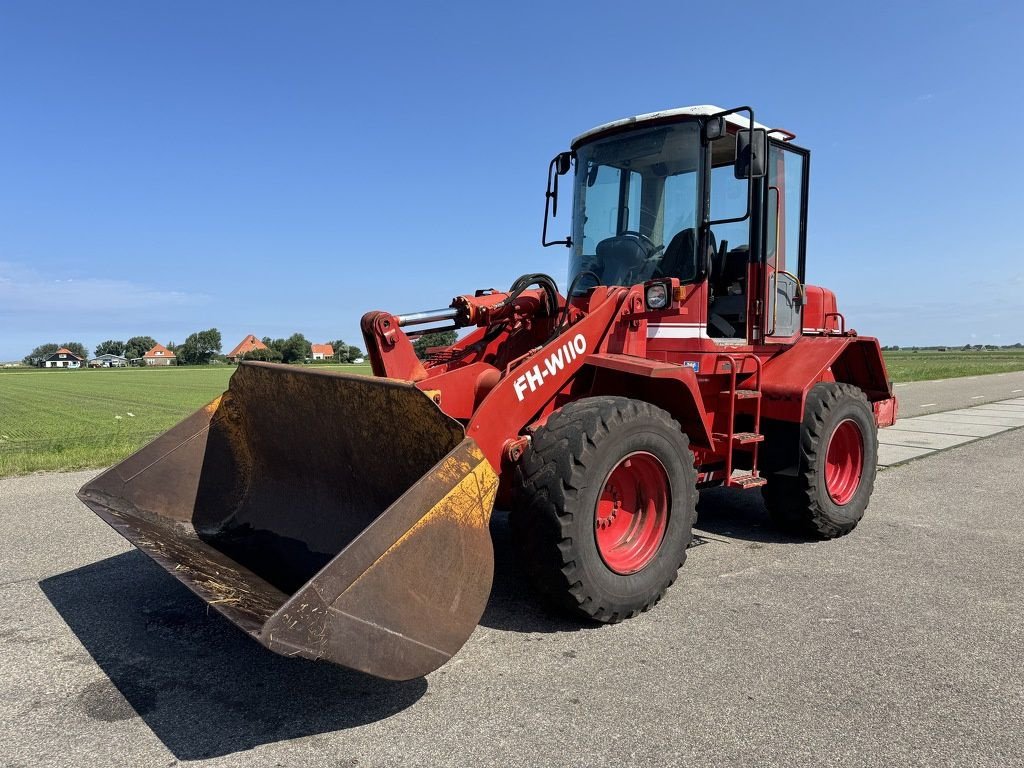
pixel 838 459
pixel 605 505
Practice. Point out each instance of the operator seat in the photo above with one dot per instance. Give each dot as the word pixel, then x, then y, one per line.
pixel 727 316
pixel 619 259
pixel 680 257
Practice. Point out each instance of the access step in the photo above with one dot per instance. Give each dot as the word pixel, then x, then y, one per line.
pixel 743 394
pixel 745 481
pixel 740 438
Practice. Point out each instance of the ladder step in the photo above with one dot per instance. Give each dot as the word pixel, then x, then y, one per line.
pixel 745 481
pixel 740 438
pixel 747 438
pixel 743 394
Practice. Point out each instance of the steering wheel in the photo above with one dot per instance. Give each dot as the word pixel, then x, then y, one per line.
pixel 652 249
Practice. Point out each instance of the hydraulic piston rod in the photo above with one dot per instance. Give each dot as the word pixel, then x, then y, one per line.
pixel 429 316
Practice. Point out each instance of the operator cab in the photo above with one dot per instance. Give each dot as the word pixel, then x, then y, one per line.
pixel 662 196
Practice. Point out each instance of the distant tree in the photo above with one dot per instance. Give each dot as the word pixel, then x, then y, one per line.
pixel 428 340
pixel 295 349
pixel 199 348
pixel 352 354
pixel 268 355
pixel 43 350
pixel 78 348
pixel 137 346
pixel 110 347
pixel 340 350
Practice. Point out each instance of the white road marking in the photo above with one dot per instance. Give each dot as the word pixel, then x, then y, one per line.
pixel 1015 391
pixel 977 397
pixel 927 405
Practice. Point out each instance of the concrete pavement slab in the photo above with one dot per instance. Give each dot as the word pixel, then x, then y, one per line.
pixel 975 418
pixel 896 436
pixel 981 410
pixel 951 427
pixel 1011 408
pixel 894 454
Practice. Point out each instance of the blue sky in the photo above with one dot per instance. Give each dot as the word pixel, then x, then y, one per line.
pixel 276 167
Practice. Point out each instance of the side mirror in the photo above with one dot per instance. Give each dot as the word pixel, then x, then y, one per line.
pixel 751 153
pixel 560 165
pixel 714 128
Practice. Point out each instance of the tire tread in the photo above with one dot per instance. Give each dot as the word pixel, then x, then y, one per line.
pixel 550 475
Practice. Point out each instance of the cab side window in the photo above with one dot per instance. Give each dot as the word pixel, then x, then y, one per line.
pixel 784 238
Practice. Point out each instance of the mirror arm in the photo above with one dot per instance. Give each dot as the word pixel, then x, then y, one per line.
pixel 559 166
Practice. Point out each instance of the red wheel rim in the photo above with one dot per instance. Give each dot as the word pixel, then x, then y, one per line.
pixel 844 462
pixel 632 513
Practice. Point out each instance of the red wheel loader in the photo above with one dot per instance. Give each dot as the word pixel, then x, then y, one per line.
pixel 345 518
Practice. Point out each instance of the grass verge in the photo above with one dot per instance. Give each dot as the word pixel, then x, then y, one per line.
pixel 65 420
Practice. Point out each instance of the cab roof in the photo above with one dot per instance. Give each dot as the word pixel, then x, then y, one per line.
pixel 740 120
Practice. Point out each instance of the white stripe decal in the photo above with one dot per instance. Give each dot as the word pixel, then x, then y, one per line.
pixel 676 331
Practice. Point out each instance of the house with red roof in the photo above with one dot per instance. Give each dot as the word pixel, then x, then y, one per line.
pixel 322 351
pixel 159 355
pixel 249 344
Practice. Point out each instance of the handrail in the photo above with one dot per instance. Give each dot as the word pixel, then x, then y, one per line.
pixel 842 322
pixel 735 363
pixel 775 299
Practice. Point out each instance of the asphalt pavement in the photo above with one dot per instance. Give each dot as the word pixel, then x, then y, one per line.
pixel 917 398
pixel 899 644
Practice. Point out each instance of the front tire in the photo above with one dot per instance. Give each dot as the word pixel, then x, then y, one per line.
pixel 605 505
pixel 838 460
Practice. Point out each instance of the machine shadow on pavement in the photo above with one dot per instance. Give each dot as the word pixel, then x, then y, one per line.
pixel 738 514
pixel 202 686
pixel 514 606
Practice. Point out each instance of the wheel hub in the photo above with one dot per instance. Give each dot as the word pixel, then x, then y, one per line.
pixel 844 462
pixel 632 513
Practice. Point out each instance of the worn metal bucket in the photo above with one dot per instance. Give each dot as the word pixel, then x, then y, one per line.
pixel 330 516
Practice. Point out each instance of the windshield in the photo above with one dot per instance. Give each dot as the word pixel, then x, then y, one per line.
pixel 635 207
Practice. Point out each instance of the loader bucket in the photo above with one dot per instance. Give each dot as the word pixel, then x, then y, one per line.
pixel 329 516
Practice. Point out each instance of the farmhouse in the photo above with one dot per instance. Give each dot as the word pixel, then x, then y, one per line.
pixel 248 344
pixel 62 358
pixel 159 355
pixel 322 351
pixel 109 361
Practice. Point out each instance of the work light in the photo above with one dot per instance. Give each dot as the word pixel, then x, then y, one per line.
pixel 657 296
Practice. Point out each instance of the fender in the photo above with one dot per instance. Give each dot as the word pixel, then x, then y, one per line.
pixel 790 375
pixel 666 385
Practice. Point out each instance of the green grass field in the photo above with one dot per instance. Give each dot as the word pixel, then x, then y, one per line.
pixel 926 365
pixel 62 420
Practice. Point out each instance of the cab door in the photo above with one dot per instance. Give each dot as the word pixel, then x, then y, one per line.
pixel 785 234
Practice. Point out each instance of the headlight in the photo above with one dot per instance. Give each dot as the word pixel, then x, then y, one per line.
pixel 657 296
